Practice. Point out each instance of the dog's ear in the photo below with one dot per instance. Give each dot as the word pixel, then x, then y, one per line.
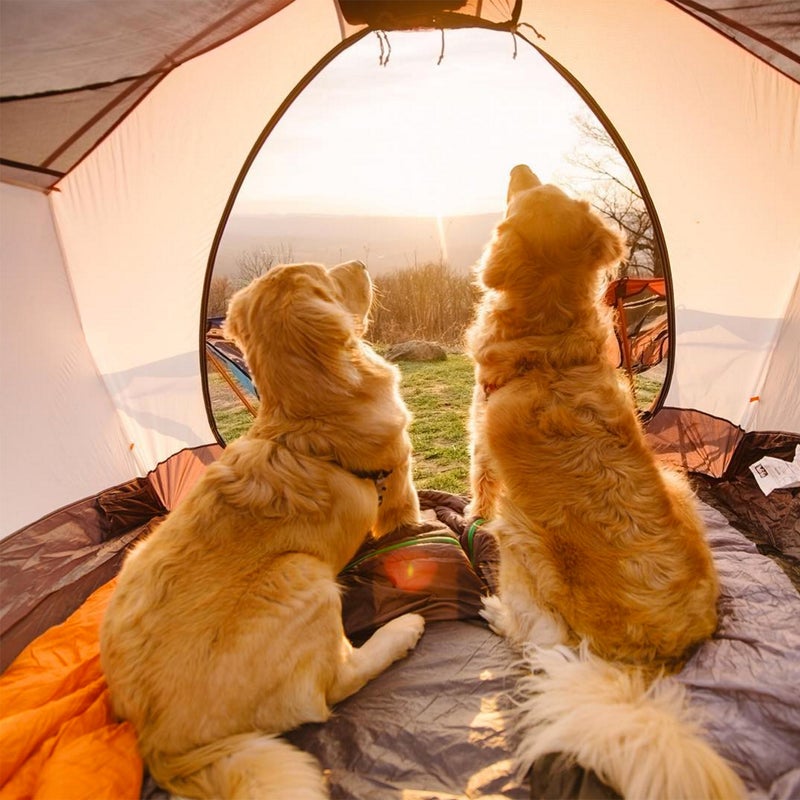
pixel 606 245
pixel 567 234
pixel 499 259
pixel 234 326
pixel 357 292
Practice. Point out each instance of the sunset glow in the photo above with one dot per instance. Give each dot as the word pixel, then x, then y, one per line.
pixel 415 137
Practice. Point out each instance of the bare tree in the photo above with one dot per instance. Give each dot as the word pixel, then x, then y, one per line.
pixel 253 264
pixel 616 195
pixel 219 293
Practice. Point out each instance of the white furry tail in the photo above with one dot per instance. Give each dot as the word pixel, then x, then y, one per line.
pixel 642 740
pixel 242 767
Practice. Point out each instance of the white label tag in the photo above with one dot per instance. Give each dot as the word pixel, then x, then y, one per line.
pixel 772 473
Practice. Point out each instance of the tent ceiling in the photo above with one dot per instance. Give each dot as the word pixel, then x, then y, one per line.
pixel 771 30
pixel 72 71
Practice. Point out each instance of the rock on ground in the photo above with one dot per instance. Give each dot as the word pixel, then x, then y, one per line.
pixel 416 350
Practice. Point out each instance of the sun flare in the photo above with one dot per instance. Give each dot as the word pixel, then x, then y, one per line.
pixel 442 239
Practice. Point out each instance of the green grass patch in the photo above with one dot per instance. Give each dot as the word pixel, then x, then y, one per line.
pixel 438 394
pixel 232 423
pixel 646 391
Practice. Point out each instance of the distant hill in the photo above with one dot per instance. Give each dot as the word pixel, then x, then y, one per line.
pixel 383 243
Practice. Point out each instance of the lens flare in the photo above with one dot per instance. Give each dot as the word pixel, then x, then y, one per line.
pixel 410 571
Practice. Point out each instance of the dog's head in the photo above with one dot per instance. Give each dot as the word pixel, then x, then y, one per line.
pixel 299 327
pixel 546 234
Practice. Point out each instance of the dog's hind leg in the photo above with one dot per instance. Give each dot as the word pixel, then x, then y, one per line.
pixel 517 611
pixel 388 644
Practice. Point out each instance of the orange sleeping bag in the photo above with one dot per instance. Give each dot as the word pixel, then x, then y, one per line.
pixel 58 737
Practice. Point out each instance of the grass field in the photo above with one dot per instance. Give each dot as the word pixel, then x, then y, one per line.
pixel 438 395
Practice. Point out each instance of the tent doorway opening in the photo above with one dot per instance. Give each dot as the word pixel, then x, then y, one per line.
pixel 397 152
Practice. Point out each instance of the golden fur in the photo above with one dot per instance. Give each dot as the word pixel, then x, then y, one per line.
pixel 225 628
pixel 599 543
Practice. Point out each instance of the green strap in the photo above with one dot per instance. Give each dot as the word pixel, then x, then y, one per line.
pixel 471 537
pixel 436 539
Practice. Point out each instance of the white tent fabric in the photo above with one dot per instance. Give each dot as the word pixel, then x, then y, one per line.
pixel 72 70
pixel 62 438
pixel 137 221
pixel 101 363
pixel 777 407
pixel 768 28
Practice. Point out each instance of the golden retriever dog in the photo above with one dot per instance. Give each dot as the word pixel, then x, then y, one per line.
pixel 600 546
pixel 225 628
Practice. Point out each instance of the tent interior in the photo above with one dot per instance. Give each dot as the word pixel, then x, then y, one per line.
pixel 126 131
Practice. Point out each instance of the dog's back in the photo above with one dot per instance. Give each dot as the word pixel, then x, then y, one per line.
pixel 639 586
pixel 614 543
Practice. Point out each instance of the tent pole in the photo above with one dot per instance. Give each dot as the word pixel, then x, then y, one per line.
pixel 622 323
pixel 237 390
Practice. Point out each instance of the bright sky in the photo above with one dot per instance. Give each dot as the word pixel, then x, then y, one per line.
pixel 414 137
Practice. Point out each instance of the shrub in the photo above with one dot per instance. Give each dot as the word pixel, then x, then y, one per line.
pixel 430 301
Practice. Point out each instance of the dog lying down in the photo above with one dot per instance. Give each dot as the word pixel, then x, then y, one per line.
pixel 599 544
pixel 225 629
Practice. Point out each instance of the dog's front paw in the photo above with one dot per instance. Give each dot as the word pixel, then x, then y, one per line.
pixel 405 631
pixel 496 614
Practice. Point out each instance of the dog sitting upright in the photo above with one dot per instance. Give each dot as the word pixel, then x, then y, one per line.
pixel 225 628
pixel 598 543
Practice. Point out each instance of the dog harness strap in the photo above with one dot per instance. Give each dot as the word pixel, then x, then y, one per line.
pixel 378 477
pixel 375 475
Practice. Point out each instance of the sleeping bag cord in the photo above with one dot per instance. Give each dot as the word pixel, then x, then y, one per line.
pixel 476 523
pixel 422 539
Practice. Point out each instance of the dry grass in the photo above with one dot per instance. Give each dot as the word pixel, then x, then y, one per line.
pixel 430 301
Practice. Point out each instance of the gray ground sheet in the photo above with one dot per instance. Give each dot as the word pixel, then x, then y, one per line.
pixel 434 727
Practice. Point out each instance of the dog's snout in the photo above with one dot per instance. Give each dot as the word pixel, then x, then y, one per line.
pixel 522 177
pixel 525 176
